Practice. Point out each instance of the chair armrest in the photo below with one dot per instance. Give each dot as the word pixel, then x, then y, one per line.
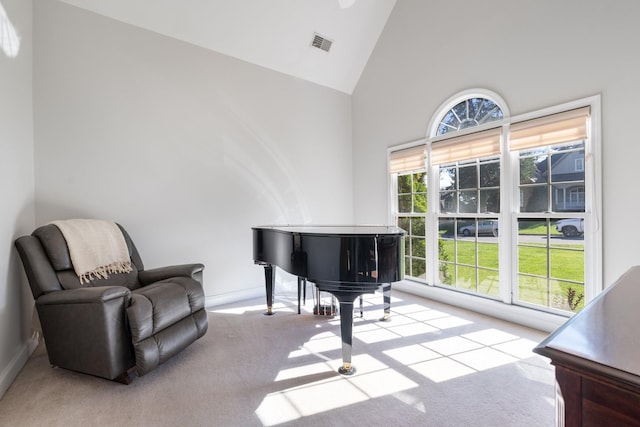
pixel 88 295
pixel 85 329
pixel 193 271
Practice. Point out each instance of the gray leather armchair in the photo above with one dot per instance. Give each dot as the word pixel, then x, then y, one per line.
pixel 129 322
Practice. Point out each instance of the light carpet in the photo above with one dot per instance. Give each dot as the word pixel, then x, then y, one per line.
pixel 431 365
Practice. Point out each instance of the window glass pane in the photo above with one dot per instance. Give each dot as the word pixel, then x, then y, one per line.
pixel 418 247
pixel 489 111
pixel 407 249
pixel 535 198
pixel 446 227
pixel 448 202
pixel 490 174
pixel 533 260
pixel 466 251
pixel 488 254
pixel 568 263
pixel 404 184
pixel 404 223
pixel 447 274
pixel 466 227
pixel 446 250
pixel 447 179
pixel 489 201
pixel 567 296
pixel 420 193
pixel 529 173
pixel 419 268
pixel 488 283
pixel 466 278
pixel 420 203
pixel 469 113
pixel 468 177
pixel 468 202
pixel 413 204
pixel 533 289
pixel 550 265
pixel 404 203
pixel 417 226
pixel 450 121
pixel 468 258
pixel 563 166
pixel 474 105
pixel 420 182
pixel 460 110
pixel 568 198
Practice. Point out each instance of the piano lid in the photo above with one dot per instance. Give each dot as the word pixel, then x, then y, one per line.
pixel 336 230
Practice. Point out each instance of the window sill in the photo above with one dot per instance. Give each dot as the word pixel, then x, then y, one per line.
pixel 529 317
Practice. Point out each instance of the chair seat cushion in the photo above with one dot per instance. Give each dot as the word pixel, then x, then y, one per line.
pixel 164 318
pixel 161 304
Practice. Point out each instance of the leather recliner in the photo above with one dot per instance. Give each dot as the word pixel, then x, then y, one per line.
pixel 110 328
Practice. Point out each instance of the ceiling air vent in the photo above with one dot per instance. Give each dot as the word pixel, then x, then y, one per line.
pixel 321 42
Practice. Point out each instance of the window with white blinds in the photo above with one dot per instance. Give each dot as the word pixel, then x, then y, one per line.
pixel 470 146
pixel 408 159
pixel 511 214
pixel 550 130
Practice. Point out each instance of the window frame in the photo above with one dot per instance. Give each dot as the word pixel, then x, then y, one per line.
pixel 510 206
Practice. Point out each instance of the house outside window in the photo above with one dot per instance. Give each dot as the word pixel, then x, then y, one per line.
pixel 511 214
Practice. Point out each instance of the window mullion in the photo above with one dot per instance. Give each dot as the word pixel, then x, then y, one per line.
pixel 431 224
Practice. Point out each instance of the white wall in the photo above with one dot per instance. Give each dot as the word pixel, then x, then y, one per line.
pixel 16 184
pixel 534 54
pixel 186 148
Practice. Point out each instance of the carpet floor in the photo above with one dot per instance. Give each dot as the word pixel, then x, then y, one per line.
pixel 430 365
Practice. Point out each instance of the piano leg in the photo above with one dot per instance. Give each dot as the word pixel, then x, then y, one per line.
pixel 269 278
pixel 346 301
pixel 302 289
pixel 386 296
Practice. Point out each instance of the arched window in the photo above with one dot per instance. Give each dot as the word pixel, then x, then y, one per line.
pixel 467 109
pixel 469 113
pixel 484 195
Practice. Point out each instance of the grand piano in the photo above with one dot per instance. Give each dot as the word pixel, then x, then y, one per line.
pixel 346 261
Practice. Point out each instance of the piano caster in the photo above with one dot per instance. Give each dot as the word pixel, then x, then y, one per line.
pixel 347 369
pixel 269 311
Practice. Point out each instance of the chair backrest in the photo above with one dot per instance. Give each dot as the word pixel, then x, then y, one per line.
pixel 48 265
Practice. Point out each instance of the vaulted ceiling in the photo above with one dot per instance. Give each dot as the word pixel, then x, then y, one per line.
pixel 275 34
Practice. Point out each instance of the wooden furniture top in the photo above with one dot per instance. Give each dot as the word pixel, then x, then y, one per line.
pixel 603 338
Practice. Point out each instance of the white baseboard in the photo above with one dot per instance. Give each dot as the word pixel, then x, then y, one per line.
pixel 246 294
pixel 11 371
pixel 528 317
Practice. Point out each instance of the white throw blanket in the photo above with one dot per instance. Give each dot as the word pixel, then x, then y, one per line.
pixel 97 248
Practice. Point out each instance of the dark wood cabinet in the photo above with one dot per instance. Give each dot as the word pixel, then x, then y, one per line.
pixel 596 355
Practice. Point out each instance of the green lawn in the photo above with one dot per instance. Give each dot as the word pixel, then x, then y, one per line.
pixel 546 274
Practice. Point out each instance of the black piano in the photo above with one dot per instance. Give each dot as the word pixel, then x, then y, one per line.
pixel 346 261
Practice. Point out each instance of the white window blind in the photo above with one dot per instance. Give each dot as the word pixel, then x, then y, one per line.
pixel 408 159
pixel 558 128
pixel 471 146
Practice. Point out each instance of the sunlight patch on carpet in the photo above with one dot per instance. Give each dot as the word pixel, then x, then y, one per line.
pixel 490 336
pixel 385 352
pixel 301 371
pixel 484 358
pixel 520 348
pixel 411 354
pixel 448 322
pixel 374 379
pixel 412 329
pixel 443 369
